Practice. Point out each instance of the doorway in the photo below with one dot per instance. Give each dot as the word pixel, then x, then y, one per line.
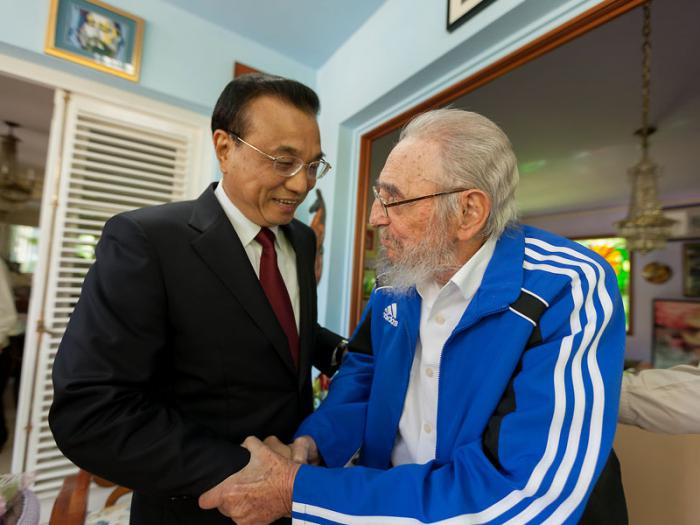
pixel 26 110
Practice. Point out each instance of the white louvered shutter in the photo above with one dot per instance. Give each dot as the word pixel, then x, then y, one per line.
pixel 113 159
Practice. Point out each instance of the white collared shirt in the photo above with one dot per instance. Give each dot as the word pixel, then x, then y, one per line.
pixel 247 230
pixel 441 310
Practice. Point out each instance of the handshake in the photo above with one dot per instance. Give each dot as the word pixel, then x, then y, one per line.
pixel 261 492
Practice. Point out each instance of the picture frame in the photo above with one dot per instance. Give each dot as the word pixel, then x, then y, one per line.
pixel 691 269
pixel 614 250
pixel 459 11
pixel 96 35
pixel 239 68
pixel 676 332
pixel 687 219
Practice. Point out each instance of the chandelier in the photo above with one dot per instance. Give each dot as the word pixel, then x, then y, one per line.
pixel 645 228
pixel 15 185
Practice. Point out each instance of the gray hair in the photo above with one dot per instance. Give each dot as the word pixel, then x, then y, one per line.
pixel 475 153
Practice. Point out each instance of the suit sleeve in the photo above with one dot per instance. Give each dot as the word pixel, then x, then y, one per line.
pixel 338 425
pixel 553 442
pixel 326 343
pixel 106 415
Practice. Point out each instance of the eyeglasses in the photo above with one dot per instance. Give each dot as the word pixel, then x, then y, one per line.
pixel 386 205
pixel 289 165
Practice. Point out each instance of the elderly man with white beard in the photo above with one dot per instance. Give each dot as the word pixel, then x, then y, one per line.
pixel 482 383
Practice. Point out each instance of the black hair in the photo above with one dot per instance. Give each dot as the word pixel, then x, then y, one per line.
pixel 230 110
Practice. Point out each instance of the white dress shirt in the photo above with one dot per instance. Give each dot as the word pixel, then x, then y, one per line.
pixel 441 310
pixel 247 230
pixel 665 400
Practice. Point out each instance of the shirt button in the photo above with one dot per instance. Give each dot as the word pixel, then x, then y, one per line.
pixel 428 428
pixel 429 372
pixel 439 319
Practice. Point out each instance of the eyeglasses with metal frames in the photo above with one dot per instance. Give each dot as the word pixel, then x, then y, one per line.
pixel 386 205
pixel 289 165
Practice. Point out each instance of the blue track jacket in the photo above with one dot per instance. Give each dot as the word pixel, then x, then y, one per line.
pixel 555 401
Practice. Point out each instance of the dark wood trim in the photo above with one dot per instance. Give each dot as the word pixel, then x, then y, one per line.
pixel 585 22
pixel 70 506
pixel 239 68
pixel 361 211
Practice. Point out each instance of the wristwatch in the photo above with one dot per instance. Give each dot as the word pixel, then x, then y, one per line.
pixel 338 353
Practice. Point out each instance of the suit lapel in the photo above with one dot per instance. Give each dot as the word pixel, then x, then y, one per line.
pixel 222 251
pixel 306 289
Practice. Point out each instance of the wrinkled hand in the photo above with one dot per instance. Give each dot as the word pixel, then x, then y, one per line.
pixel 304 450
pixel 258 494
pixel 276 445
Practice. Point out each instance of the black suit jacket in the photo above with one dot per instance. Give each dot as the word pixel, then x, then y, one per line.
pixel 173 356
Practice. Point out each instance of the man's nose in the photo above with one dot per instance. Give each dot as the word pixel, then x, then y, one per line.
pixel 299 183
pixel 377 216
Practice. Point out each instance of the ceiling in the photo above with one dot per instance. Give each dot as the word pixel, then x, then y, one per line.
pixel 308 31
pixel 31 106
pixel 571 114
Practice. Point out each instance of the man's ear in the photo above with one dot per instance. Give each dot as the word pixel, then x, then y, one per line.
pixel 222 147
pixel 475 207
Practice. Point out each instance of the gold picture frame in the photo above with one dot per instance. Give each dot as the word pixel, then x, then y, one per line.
pixel 97 35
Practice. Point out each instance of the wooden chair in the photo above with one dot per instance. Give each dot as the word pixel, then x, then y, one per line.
pixel 70 507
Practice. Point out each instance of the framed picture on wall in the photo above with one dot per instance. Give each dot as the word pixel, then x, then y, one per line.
pixel 459 11
pixel 96 35
pixel 691 269
pixel 687 221
pixel 614 251
pixel 676 336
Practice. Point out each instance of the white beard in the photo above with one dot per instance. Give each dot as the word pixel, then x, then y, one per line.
pixel 432 257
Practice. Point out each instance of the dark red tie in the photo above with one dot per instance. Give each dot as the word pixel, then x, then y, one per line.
pixel 276 292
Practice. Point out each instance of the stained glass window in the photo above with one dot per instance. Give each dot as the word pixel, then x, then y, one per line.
pixel 614 250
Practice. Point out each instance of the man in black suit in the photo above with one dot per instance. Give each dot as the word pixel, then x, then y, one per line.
pixel 196 326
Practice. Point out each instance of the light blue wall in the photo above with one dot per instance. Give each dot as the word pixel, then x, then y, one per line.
pixel 186 61
pixel 400 56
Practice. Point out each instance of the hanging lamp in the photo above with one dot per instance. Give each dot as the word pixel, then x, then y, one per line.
pixel 645 228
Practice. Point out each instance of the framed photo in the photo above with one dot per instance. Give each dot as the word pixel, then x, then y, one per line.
pixel 96 35
pixel 691 269
pixel 676 338
pixel 459 11
pixel 688 221
pixel 614 251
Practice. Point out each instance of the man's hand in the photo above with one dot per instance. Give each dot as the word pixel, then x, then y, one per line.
pixel 304 450
pixel 276 445
pixel 258 494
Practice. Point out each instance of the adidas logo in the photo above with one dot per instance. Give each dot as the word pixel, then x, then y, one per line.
pixel 390 315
